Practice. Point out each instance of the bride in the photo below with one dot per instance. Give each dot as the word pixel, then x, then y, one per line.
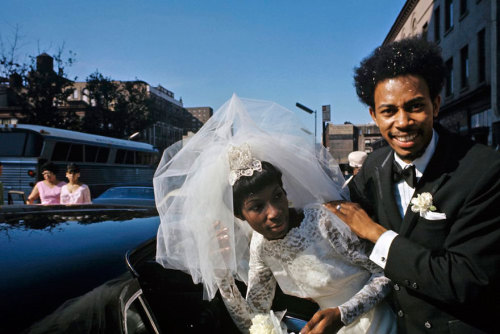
pixel 234 182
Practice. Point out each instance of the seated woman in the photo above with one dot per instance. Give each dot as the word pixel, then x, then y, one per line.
pixel 74 192
pixel 49 189
pixel 310 254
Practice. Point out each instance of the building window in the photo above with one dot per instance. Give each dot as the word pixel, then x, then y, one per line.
pixel 481 57
pixel 449 77
pixel 75 94
pixel 437 21
pixel 425 28
pixel 448 15
pixel 463 8
pixel 464 66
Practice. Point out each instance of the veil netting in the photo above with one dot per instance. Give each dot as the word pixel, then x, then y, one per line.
pixel 194 197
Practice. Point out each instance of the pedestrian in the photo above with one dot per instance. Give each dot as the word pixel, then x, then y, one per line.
pixel 49 189
pixel 356 159
pixel 429 201
pixel 74 192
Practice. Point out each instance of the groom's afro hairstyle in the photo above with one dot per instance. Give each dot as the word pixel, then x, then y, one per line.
pixel 414 56
pixel 247 185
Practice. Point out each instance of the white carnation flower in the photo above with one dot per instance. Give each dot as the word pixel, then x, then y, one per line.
pixel 422 203
pixel 268 324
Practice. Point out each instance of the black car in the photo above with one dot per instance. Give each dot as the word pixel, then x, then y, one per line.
pixel 65 271
pixel 127 195
pixel 155 300
pixel 49 254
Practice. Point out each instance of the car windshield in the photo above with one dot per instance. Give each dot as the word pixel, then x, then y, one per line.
pixel 129 192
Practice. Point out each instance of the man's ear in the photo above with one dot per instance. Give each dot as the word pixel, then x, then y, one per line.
pixel 373 115
pixel 435 105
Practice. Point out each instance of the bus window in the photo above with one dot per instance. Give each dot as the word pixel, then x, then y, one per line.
pixel 61 150
pixel 102 155
pixel 76 153
pixel 120 156
pixel 143 158
pixel 34 144
pixel 130 157
pixel 90 153
pixel 15 145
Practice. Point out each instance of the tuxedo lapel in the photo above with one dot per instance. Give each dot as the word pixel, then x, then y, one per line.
pixel 385 186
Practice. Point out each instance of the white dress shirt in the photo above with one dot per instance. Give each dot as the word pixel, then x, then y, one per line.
pixel 403 194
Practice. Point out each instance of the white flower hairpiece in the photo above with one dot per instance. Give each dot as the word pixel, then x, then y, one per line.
pixel 241 163
pixel 422 203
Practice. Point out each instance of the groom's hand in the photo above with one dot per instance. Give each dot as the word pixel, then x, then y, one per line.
pixel 324 322
pixel 358 220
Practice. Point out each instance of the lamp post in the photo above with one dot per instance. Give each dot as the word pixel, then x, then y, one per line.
pixel 132 136
pixel 309 111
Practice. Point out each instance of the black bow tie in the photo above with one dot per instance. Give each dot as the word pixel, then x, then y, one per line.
pixel 408 174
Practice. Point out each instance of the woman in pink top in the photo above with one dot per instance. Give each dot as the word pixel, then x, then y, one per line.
pixel 74 192
pixel 48 190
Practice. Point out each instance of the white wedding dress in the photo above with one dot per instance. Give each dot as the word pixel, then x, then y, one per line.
pixel 322 260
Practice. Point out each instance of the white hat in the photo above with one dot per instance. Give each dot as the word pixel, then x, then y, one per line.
pixel 356 158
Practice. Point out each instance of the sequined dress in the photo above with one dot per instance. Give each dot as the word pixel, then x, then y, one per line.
pixel 323 260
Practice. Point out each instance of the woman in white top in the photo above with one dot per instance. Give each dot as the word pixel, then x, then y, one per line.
pixel 74 192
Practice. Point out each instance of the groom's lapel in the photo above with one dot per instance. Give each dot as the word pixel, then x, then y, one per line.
pixel 385 187
pixel 434 177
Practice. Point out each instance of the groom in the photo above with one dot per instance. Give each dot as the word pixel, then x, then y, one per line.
pixel 429 202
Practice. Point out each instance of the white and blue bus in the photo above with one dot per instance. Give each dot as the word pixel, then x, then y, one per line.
pixel 104 161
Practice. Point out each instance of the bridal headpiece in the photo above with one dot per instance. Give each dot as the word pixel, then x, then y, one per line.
pixel 241 163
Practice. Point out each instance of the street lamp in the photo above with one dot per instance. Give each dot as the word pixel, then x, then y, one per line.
pixel 133 135
pixel 310 111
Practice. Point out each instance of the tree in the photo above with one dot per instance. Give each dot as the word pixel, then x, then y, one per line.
pixel 134 108
pixel 117 109
pixel 45 92
pixel 35 91
pixel 99 117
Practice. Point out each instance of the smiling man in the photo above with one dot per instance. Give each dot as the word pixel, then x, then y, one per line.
pixel 429 201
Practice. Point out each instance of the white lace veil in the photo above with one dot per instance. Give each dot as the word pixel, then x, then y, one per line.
pixel 194 197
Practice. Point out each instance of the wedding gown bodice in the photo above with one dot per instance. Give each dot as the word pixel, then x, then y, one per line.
pixel 321 259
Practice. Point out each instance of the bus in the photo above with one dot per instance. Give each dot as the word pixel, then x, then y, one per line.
pixel 104 161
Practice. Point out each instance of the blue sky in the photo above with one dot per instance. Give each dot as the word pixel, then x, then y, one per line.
pixel 204 51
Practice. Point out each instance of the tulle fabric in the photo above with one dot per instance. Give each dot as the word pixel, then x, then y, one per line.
pixel 194 197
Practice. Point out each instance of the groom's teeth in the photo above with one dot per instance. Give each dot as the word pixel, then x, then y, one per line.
pixel 406 138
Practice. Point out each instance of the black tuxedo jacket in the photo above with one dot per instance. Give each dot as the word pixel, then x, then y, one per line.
pixel 446 273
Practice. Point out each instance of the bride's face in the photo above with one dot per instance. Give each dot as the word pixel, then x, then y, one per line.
pixel 267 212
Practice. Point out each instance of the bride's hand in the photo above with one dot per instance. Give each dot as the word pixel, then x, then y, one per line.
pixel 325 322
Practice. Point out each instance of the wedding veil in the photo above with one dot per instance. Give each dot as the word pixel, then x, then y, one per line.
pixel 194 197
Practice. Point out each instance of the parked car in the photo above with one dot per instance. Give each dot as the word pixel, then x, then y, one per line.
pixel 129 195
pixel 153 300
pixel 49 254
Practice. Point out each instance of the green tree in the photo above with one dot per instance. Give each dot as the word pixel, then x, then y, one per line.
pixel 45 92
pixel 38 92
pixel 118 109
pixel 134 108
pixel 100 117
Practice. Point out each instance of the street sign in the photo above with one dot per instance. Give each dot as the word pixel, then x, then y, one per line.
pixel 326 113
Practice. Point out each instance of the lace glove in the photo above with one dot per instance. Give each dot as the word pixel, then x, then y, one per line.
pixel 236 306
pixel 347 244
pixel 374 291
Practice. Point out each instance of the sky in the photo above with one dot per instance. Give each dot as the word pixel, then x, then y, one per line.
pixel 203 51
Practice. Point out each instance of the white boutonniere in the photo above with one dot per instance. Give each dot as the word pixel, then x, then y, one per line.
pixel 268 323
pixel 423 205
